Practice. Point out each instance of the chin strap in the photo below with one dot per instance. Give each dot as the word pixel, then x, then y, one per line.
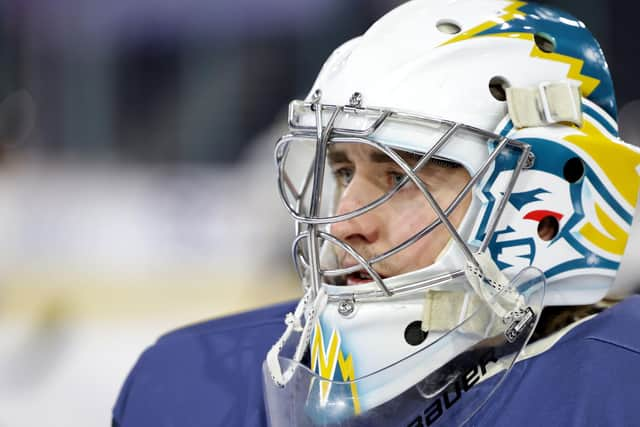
pixel 492 285
pixel 441 307
pixel 294 324
pixel 493 290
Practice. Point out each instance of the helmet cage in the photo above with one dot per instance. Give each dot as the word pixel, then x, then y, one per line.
pixel 323 125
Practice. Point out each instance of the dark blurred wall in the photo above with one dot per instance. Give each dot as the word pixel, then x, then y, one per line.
pixel 168 81
pixel 613 23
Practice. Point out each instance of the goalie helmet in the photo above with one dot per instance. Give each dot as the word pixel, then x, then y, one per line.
pixel 515 98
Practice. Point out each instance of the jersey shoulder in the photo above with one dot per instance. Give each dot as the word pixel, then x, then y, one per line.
pixel 589 377
pixel 616 327
pixel 206 374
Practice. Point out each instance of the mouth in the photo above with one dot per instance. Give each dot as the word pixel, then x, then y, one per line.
pixel 359 278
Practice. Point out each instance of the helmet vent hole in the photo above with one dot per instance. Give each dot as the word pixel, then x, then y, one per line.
pixel 497 87
pixel 548 228
pixel 413 334
pixel 573 170
pixel 545 42
pixel 447 26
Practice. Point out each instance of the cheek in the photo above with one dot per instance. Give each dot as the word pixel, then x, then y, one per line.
pixel 424 251
pixel 409 218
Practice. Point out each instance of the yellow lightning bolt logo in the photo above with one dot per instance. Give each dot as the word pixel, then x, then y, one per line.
pixel 589 84
pixel 511 12
pixel 324 361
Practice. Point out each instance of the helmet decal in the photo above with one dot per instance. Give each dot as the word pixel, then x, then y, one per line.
pixel 521 199
pixel 510 13
pixel 573 45
pixel 328 361
pixel 603 121
pixel 593 210
pixel 608 155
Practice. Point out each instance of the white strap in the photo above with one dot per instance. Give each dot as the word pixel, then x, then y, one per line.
pixel 292 320
pixel 294 324
pixel 492 285
pixel 544 104
pixel 445 310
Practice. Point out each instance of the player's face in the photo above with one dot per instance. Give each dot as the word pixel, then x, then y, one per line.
pixel 363 175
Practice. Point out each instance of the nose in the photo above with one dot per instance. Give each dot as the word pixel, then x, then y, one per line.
pixel 364 228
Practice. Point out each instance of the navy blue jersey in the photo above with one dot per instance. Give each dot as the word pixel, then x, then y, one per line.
pixel 210 375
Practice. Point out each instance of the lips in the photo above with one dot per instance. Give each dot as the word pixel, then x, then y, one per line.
pixel 360 277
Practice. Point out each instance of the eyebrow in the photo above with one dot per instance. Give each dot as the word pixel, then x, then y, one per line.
pixel 409 157
pixel 339 156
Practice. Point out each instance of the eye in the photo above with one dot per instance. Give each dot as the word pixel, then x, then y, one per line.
pixel 395 178
pixel 343 175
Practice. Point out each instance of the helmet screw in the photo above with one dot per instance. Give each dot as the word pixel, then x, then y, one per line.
pixel 317 94
pixel 355 100
pixel 346 307
pixel 531 159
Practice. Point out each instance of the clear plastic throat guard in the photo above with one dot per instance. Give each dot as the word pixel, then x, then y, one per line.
pixel 449 391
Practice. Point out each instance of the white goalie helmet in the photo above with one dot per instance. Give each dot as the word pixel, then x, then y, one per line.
pixel 454 170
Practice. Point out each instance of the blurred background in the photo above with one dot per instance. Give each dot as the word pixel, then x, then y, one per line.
pixel 137 192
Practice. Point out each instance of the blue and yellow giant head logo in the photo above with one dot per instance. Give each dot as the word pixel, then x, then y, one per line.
pixel 586 182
